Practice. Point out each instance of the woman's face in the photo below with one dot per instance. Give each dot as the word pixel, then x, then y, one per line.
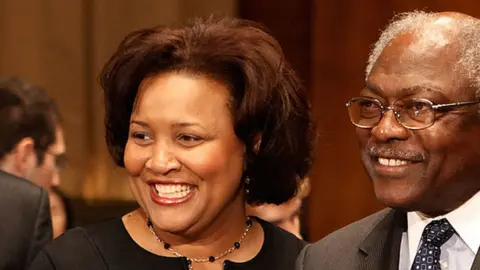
pixel 182 155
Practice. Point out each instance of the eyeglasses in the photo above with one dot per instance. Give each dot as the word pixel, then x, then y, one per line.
pixel 414 114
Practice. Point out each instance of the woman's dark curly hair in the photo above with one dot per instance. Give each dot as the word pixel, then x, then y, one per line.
pixel 266 95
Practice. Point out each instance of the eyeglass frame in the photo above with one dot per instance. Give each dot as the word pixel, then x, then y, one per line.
pixel 384 109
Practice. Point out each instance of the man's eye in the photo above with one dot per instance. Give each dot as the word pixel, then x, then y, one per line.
pixel 60 161
pixel 419 106
pixel 368 104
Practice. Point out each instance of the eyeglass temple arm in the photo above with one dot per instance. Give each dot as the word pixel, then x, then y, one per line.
pixel 462 103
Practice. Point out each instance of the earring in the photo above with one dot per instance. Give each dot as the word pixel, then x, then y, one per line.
pixel 247 184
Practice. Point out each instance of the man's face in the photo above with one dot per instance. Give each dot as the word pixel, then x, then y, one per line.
pixel 47 174
pixel 432 170
pixel 285 215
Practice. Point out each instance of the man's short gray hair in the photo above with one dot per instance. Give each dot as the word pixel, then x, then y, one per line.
pixel 466 34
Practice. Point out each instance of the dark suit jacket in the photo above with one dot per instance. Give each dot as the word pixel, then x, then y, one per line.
pixel 372 243
pixel 25 222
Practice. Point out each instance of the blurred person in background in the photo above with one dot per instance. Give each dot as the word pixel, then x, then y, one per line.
pixel 286 215
pixel 36 151
pixel 30 145
pixel 185 106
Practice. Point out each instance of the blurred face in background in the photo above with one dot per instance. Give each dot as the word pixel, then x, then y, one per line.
pixel 47 174
pixel 23 161
pixel 285 215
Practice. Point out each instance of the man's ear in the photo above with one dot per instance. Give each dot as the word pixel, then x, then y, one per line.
pixel 257 141
pixel 23 156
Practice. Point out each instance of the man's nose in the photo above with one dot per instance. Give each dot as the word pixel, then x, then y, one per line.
pixel 55 179
pixel 389 128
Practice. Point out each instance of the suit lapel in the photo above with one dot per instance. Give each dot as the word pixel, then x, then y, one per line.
pixel 476 262
pixel 381 248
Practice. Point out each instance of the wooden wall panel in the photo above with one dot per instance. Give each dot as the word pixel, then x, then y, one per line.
pixel 289 22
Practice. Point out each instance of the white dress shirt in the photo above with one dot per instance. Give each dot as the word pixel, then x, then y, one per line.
pixel 459 252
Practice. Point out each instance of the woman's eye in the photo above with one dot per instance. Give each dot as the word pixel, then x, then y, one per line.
pixel 189 139
pixel 140 136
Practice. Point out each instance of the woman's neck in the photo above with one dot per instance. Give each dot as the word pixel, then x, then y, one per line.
pixel 207 238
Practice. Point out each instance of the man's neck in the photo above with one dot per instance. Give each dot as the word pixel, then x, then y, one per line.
pixel 6 166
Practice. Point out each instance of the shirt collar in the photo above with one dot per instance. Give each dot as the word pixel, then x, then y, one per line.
pixel 465 220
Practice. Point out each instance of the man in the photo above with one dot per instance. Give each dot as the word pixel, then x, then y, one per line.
pixel 418 125
pixel 32 148
pixel 31 139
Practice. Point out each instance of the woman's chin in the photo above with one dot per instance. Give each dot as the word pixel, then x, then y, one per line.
pixel 175 221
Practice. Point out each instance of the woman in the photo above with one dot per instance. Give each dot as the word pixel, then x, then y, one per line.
pixel 203 117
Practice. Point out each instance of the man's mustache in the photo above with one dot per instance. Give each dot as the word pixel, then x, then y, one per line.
pixel 394 153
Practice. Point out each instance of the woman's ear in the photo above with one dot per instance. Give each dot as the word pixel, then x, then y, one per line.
pixel 257 141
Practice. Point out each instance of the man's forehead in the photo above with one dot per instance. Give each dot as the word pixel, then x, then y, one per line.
pixel 430 41
pixel 437 35
pixel 432 54
pixel 411 71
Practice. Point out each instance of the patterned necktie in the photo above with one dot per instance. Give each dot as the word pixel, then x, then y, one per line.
pixel 435 234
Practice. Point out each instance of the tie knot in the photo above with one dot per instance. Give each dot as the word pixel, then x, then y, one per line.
pixel 437 232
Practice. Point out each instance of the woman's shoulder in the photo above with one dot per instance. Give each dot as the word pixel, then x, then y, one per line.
pixel 82 246
pixel 280 248
pixel 109 231
pixel 279 251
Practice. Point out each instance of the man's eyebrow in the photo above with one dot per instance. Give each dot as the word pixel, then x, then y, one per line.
pixel 411 90
pixel 420 88
pixel 373 88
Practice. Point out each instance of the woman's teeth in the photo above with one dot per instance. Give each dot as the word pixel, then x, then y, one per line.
pixel 172 191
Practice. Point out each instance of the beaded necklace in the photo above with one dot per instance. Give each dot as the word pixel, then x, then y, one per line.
pixel 168 247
